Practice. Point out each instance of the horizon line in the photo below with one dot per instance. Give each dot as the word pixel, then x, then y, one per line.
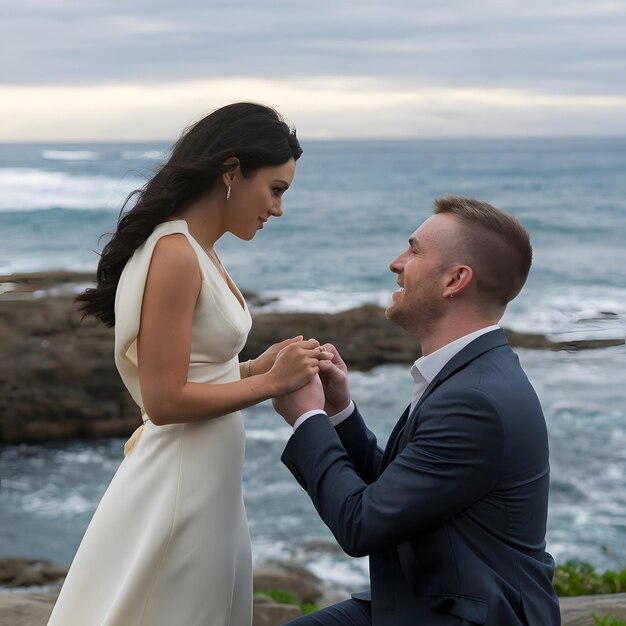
pixel 337 139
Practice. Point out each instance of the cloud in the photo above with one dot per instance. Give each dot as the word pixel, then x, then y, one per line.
pixel 329 107
pixel 432 64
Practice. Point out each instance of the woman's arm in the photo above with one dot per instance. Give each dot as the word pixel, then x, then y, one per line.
pixel 164 347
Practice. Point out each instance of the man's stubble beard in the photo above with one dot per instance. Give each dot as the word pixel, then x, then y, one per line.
pixel 418 319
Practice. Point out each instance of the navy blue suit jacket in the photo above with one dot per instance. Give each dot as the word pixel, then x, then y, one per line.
pixel 453 513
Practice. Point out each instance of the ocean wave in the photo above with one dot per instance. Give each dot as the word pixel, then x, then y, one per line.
pixel 580 314
pixel 70 155
pixel 43 262
pixel 135 155
pixel 584 313
pixel 319 301
pixel 331 565
pixel 43 504
pixel 33 189
pixel 280 434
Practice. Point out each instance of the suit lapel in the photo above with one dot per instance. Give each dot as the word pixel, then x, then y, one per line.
pixel 473 350
pixel 393 438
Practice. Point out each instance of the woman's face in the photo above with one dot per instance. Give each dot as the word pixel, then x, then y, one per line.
pixel 254 200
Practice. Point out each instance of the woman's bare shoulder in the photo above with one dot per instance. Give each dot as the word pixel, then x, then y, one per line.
pixel 174 260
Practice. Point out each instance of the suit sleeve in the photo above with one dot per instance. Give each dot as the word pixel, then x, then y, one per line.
pixel 360 444
pixel 452 460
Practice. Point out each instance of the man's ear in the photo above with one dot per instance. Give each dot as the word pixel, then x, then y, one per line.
pixel 457 280
pixel 233 166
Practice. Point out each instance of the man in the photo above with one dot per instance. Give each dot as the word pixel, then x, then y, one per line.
pixel 453 512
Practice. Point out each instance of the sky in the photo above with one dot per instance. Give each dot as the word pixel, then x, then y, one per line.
pixel 78 70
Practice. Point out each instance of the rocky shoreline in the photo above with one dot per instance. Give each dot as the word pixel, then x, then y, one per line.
pixel 58 379
pixel 30 588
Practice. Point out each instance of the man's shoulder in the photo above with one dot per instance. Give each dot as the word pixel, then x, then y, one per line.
pixel 484 382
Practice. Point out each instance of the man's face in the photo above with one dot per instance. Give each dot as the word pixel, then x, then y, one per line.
pixel 419 303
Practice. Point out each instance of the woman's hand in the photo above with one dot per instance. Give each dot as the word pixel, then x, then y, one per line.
pixel 295 365
pixel 263 363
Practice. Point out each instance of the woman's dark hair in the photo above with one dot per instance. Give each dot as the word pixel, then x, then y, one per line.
pixel 256 135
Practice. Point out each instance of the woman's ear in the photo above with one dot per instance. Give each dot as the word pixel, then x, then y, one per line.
pixel 233 169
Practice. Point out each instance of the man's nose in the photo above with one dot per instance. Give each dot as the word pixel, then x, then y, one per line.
pixel 396 265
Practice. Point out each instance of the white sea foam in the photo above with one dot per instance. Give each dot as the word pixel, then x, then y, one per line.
pixel 351 574
pixel 577 315
pixel 333 567
pixel 43 504
pixel 586 312
pixel 70 155
pixel 34 189
pixel 280 434
pixel 73 261
pixel 135 155
pixel 29 589
pixel 8 287
pixel 319 301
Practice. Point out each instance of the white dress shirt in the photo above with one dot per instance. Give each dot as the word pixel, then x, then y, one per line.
pixel 426 368
pixel 423 371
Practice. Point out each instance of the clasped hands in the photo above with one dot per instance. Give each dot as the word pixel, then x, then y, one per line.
pixel 326 390
pixel 306 376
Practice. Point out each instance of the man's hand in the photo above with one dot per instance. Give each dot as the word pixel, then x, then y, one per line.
pixel 308 398
pixel 334 377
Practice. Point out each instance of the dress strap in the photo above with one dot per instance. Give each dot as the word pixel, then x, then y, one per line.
pixel 132 442
pixel 134 438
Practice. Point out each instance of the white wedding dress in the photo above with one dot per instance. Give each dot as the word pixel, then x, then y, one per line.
pixel 169 543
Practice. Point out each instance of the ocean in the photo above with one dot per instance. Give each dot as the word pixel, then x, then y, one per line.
pixel 350 211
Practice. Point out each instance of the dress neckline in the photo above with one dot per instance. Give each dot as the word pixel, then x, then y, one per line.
pixel 225 278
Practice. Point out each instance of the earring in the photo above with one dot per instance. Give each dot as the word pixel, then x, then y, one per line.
pixel 228 194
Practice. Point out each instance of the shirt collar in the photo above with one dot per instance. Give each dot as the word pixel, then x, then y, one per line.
pixel 427 367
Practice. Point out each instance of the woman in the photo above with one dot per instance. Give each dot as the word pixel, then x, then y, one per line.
pixel 169 542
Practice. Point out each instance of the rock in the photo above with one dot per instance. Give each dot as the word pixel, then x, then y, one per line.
pixel 34 609
pixel 333 598
pixel 305 589
pixel 266 612
pixel 297 571
pixel 364 337
pixel 29 572
pixel 58 378
pixel 578 611
pixel 272 614
pixel 262 598
pixel 31 609
pixel 323 546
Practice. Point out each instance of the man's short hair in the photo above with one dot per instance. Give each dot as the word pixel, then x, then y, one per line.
pixel 494 244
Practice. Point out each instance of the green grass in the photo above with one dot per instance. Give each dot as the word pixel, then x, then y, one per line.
pixel 283 596
pixel 580 579
pixel 607 620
